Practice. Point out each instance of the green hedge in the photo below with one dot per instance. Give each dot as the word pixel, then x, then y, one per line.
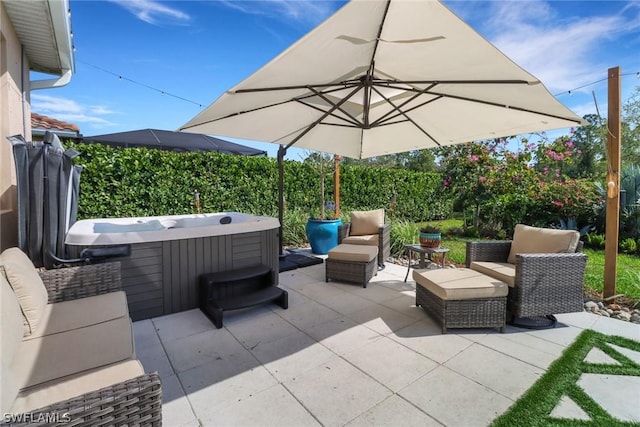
pixel 129 182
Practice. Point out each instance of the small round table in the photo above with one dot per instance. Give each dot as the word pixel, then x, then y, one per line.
pixel 410 249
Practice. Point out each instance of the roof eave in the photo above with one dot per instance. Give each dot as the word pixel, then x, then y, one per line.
pixel 37 21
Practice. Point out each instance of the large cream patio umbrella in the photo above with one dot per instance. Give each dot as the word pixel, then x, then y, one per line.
pixel 381 77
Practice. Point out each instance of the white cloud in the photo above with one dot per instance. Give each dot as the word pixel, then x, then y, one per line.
pixel 560 52
pixel 152 11
pixel 68 110
pixel 312 11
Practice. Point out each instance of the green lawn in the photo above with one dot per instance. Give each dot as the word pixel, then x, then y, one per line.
pixel 628 268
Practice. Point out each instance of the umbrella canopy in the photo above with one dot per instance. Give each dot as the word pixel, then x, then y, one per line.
pixel 174 141
pixel 381 77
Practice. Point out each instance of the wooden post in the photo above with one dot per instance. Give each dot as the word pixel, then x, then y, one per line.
pixel 336 184
pixel 614 132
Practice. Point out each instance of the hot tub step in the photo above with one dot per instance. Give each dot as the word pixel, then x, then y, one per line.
pixel 214 308
pixel 236 289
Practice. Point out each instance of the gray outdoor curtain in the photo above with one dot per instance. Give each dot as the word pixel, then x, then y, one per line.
pixel 48 187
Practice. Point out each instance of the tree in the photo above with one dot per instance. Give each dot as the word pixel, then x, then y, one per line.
pixel 418 160
pixel 589 159
pixel 323 165
pixel 631 130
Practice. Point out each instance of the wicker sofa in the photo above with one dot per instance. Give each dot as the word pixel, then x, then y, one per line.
pixel 367 228
pixel 67 352
pixel 544 269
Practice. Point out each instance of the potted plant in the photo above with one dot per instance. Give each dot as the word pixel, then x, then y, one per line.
pixel 322 229
pixel 430 236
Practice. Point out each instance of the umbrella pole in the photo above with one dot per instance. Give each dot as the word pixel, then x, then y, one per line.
pixel 281 153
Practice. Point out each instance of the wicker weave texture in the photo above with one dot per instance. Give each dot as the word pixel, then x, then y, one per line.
pixel 548 284
pixel 384 240
pixel 493 251
pixel 71 283
pixel 350 271
pixel 544 283
pixel 469 313
pixel 137 402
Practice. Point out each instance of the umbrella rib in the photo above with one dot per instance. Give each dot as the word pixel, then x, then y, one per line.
pixel 462 98
pixel 422 104
pixel 382 118
pixel 377 42
pixel 275 104
pixel 453 82
pixel 405 115
pixel 343 84
pixel 510 107
pixel 327 100
pixel 324 116
pixel 315 107
pixel 367 79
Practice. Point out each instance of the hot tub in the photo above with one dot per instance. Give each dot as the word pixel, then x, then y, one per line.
pixel 169 253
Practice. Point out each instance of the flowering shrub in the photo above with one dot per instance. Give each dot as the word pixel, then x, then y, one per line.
pixel 503 187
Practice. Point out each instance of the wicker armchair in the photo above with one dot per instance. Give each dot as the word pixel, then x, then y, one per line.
pixel 545 283
pixel 384 240
pixel 136 401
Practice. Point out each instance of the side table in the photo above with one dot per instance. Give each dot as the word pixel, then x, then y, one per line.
pixel 410 249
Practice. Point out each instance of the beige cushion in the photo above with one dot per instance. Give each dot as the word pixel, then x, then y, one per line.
pixel 502 271
pixel 67 315
pixel 460 284
pixel 27 285
pixel 67 353
pixel 534 240
pixel 76 385
pixel 367 239
pixel 353 253
pixel 10 338
pixel 366 222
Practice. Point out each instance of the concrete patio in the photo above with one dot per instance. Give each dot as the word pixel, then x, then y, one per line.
pixel 345 355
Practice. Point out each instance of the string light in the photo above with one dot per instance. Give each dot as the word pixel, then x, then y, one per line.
pixel 569 92
pixel 162 92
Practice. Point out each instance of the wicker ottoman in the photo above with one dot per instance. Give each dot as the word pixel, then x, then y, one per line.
pixel 352 263
pixel 462 298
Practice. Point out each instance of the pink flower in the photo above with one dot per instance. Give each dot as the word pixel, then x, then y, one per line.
pixel 482 179
pixel 569 144
pixel 558 203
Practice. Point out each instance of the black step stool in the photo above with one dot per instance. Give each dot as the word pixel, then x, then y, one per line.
pixel 236 289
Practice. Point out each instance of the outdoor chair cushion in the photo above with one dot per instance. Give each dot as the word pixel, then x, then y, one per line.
pixel 54 356
pixel 366 222
pixel 358 253
pixel 67 315
pixel 366 239
pixel 459 284
pixel 27 285
pixel 502 271
pixel 75 385
pixel 10 337
pixel 534 240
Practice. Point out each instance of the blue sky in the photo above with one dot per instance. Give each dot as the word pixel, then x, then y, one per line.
pixel 195 50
